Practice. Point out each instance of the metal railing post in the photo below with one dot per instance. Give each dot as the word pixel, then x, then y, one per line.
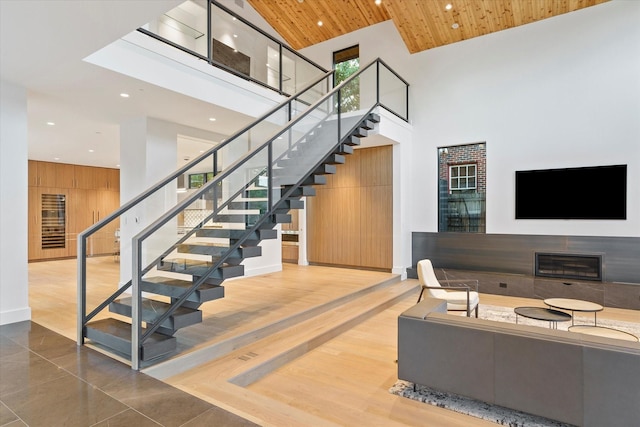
pixel 82 288
pixel 135 304
pixel 377 82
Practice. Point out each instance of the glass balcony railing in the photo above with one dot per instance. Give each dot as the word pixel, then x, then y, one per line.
pixel 212 32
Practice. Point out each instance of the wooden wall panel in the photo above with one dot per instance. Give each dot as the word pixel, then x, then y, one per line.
pixel 349 221
pixel 376 205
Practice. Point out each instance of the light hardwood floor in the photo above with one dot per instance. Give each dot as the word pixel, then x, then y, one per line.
pixel 333 367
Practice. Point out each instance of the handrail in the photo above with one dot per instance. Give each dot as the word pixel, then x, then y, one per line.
pixel 264 148
pixel 84 235
pixel 136 200
pixel 173 212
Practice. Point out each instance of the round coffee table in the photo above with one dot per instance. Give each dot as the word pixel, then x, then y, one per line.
pixel 575 305
pixel 541 313
pixel 601 331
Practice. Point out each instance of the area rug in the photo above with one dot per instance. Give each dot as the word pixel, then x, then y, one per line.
pixel 494 413
pixel 505 314
pixel 474 408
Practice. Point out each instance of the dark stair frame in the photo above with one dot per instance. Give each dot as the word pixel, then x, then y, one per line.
pixel 207 276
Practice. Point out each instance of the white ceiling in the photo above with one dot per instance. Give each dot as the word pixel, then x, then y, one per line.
pixel 42 45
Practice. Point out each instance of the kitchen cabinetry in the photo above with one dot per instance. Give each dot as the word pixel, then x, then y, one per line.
pixel 89 194
pixel 290 232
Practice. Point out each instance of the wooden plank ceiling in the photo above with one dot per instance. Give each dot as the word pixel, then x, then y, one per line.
pixel 423 24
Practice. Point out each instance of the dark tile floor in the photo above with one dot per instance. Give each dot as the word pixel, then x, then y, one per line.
pixel 47 380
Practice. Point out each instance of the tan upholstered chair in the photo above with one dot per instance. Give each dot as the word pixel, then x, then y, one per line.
pixel 459 298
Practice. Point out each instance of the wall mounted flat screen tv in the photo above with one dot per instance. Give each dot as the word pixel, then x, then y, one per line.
pixel 598 192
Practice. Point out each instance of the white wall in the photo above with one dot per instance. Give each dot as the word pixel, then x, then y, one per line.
pixel 562 92
pixel 14 283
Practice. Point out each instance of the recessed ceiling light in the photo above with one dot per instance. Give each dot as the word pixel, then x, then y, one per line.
pixel 212 119
pixel 455 25
pixel 319 23
pixel 124 95
pixel 117 166
pixel 448 6
pixel 51 124
pixel 378 2
pixel 56 158
pixel 235 35
pixel 91 151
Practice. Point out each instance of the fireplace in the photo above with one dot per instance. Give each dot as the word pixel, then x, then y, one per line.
pixel 569 266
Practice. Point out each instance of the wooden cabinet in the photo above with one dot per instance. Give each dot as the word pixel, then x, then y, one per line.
pixel 108 179
pixel 50 175
pixel 90 194
pixel 289 252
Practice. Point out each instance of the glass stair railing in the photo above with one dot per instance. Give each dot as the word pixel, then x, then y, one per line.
pixel 260 179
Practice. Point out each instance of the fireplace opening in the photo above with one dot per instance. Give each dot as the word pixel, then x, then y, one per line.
pixel 569 266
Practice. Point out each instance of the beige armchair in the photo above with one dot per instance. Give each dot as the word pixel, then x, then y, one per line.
pixel 460 298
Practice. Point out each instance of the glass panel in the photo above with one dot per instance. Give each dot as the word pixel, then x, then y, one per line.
pixel 471 170
pixel 185 25
pixel 357 97
pixel 454 171
pixel 393 92
pixel 454 183
pixel 472 183
pixel 297 72
pixel 240 47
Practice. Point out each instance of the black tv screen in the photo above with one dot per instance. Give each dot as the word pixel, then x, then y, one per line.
pixel 598 192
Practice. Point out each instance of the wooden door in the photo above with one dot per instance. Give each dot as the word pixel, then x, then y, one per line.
pixel 34 178
pixel 107 179
pixel 85 177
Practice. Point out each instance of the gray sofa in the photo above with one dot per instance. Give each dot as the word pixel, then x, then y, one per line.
pixel 574 378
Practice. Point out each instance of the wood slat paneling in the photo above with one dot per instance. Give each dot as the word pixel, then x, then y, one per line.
pixel 349 221
pixel 423 24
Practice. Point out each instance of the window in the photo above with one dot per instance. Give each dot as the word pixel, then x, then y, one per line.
pixel 345 63
pixel 462 187
pixel 462 177
pixel 196 180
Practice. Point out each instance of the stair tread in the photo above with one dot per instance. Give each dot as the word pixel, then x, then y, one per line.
pixel 116 335
pixel 175 288
pixel 122 330
pixel 188 262
pixel 159 307
pixel 176 283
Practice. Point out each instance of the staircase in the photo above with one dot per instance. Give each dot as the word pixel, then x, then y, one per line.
pixel 245 201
